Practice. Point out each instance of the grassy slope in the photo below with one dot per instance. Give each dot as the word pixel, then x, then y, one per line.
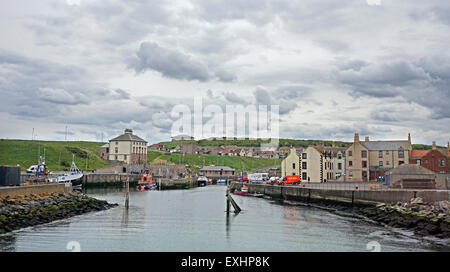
pixel 25 153
pixel 253 142
pixel 199 160
pixel 283 142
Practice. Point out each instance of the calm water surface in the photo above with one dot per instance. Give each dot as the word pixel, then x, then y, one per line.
pixel 194 220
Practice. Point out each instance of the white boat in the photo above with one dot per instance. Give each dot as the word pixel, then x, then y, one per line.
pixel 74 175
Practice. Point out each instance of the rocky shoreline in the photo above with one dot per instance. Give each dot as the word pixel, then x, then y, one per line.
pixel 31 210
pixel 424 219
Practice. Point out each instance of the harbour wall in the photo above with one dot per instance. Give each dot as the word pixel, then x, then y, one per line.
pixel 387 196
pixel 119 179
pixel 15 191
pixel 108 179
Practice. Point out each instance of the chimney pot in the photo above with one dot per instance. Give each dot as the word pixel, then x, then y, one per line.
pixel 367 138
pixel 356 137
pixel 434 145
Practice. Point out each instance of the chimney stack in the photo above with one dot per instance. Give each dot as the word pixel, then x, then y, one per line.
pixel 356 138
pixel 367 138
pixel 434 145
pixel 409 138
pixel 130 131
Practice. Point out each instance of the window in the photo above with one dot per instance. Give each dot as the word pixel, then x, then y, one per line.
pixel 401 154
pixel 419 162
pixel 364 174
pixel 350 173
pixel 388 163
pixel 116 157
pixel 339 166
pixel 350 153
pixel 293 165
pixel 125 157
pixel 350 163
pixel 380 154
pixel 442 163
pixel 364 154
pixel 304 176
pixel 401 162
pixel 364 164
pixel 339 156
pixel 304 156
pixel 117 143
pixel 380 163
pixel 117 150
pixel 304 165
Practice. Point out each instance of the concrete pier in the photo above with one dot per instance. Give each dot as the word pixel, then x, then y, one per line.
pixel 345 196
pixel 15 191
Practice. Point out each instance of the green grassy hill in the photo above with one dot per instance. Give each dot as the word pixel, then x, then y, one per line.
pixel 254 142
pixel 199 160
pixel 282 142
pixel 25 153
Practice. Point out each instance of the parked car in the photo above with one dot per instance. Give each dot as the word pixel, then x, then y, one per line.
pixel 242 180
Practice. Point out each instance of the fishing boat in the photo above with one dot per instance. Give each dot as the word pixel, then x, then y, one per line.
pixel 146 183
pixel 202 181
pixel 243 191
pixel 221 181
pixel 74 175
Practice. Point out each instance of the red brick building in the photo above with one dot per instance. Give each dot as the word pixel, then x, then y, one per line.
pixel 434 160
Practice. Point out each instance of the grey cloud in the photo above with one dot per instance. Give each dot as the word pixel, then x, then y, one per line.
pixel 170 63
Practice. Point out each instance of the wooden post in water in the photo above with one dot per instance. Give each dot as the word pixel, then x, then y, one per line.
pixel 127 195
pixel 227 196
pixel 237 209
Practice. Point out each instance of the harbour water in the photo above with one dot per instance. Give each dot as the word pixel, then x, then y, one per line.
pixel 195 220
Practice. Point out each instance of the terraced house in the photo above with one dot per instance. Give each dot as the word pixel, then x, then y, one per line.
pixel 367 160
pixel 322 164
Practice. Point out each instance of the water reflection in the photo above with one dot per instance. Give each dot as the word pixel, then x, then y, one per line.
pixel 194 220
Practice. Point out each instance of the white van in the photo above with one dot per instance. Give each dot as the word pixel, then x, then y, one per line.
pixel 32 169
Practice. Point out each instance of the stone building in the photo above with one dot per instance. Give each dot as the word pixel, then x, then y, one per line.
pixel 216 171
pixel 104 152
pixel 412 176
pixel 128 148
pixel 434 160
pixel 368 160
pixel 290 166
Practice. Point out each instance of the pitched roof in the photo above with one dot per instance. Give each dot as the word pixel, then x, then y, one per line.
pixel 419 153
pixel 128 137
pixel 411 169
pixel 386 145
pixel 216 168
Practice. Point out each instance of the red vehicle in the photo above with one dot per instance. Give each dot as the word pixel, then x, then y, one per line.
pixel 290 180
pixel 242 180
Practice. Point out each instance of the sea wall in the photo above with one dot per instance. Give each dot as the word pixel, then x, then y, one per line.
pixel 15 191
pixel 388 196
pixel 109 179
pixel 425 212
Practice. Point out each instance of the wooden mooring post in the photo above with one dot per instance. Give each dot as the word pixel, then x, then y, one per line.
pixel 236 207
pixel 127 195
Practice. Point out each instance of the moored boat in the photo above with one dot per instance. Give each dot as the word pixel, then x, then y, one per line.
pixel 243 191
pixel 202 181
pixel 74 175
pixel 146 183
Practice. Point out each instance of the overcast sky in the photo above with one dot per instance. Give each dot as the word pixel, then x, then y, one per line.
pixel 377 67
